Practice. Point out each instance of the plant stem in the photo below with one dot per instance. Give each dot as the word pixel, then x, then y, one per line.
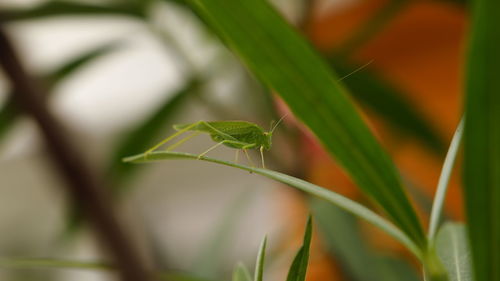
pixel 444 180
pixel 83 186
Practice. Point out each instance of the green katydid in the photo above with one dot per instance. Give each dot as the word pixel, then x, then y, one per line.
pixel 235 134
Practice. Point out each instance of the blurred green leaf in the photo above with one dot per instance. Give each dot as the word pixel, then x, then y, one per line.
pixel 298 270
pixel 388 102
pixel 261 259
pixel 9 112
pixel 68 8
pixel 143 136
pixel 453 250
pixel 241 273
pixel 342 235
pixel 137 139
pixel 482 140
pixel 31 263
pixel 212 252
pixel 285 62
pixel 330 196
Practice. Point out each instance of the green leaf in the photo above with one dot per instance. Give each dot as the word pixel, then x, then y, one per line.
pixel 330 196
pixel 389 103
pixel 68 8
pixel 261 258
pixel 344 239
pixel 241 273
pixel 286 63
pixel 298 270
pixel 482 140
pixel 9 112
pixel 452 248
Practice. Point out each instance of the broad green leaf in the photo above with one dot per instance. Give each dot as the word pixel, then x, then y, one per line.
pixel 344 239
pixel 285 62
pixel 68 8
pixel 482 140
pixel 389 103
pixel 241 273
pixel 453 250
pixel 328 195
pixel 9 112
pixel 298 270
pixel 261 258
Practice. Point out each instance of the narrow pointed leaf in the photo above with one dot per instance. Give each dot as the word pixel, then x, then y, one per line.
pixel 298 270
pixel 285 62
pixel 482 140
pixel 328 195
pixel 453 250
pixel 261 258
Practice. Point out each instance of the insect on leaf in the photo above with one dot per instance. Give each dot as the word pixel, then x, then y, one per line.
pixel 286 63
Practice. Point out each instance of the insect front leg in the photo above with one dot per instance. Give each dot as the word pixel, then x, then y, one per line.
pixel 211 148
pixel 248 157
pixel 262 157
pixel 236 156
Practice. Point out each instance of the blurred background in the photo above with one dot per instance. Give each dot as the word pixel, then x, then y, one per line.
pixel 120 73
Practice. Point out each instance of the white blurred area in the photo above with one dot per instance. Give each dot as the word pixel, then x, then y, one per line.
pixel 172 208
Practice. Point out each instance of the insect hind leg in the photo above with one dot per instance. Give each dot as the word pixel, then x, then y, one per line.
pixel 248 157
pixel 169 138
pixel 169 148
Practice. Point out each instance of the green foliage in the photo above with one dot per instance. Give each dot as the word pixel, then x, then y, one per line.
pixel 482 141
pixel 286 63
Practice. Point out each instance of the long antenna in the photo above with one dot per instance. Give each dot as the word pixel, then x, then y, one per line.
pixel 356 70
pixel 277 123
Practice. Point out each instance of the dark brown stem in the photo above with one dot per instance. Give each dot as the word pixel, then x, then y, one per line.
pixel 82 185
